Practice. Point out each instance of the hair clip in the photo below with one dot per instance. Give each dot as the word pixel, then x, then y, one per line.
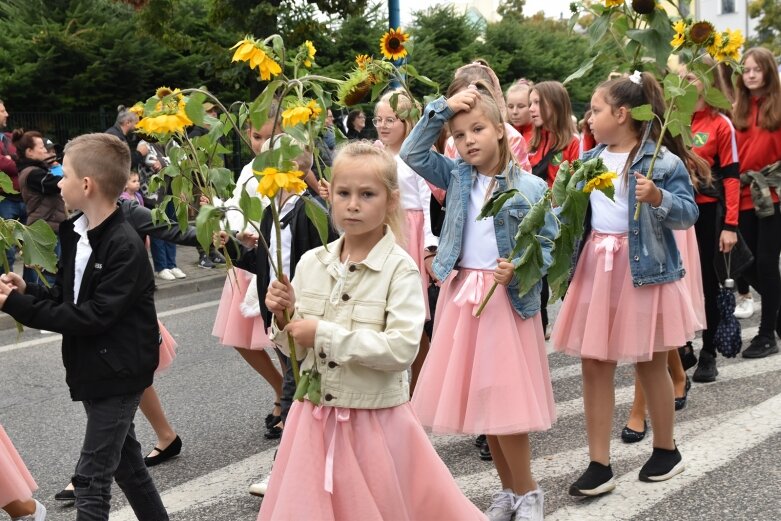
pixel 636 78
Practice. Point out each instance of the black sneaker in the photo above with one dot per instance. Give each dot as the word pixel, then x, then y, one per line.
pixel 485 453
pixel 216 257
pixel 706 368
pixel 480 441
pixel 760 347
pixel 597 480
pixel 662 465
pixel 205 262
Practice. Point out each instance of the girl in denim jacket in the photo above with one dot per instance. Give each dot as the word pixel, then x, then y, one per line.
pixel 486 374
pixel 357 316
pixel 627 301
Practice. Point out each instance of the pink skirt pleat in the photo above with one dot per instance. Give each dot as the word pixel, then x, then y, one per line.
pixel 486 375
pixel 230 326
pixel 416 239
pixel 690 257
pixel 16 483
pixel 379 463
pixel 604 317
pixel 167 349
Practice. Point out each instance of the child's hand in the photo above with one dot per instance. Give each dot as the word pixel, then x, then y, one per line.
pixel 303 331
pixel 646 191
pixel 503 273
pixel 204 200
pixel 14 282
pixel 280 297
pixel 464 100
pixel 324 188
pixel 248 239
pixel 428 261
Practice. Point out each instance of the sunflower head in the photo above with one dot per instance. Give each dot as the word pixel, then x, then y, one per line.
pixel 362 60
pixel 644 6
pixel 310 53
pixel 162 92
pixel 392 44
pixel 137 109
pixel 613 3
pixel 701 32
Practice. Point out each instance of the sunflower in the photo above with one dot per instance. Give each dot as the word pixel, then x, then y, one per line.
pixel 169 115
pixel 735 41
pixel 272 181
pixel 680 34
pixel 392 44
pixel 601 182
pixel 137 109
pixel 701 32
pixel 310 53
pixel 257 55
pixel 644 6
pixel 613 3
pixel 715 47
pixel 361 60
pixel 300 114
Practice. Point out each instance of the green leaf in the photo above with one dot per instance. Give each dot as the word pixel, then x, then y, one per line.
pixel 259 108
pixel 654 41
pixel 194 107
pixel 643 113
pixel 6 184
pixel 207 223
pixel 560 183
pixel 583 70
pixel 529 272
pixel 495 203
pixel 251 207
pixel 39 243
pixel 535 217
pixel 713 97
pixel 222 179
pixel 303 386
pixel 319 217
pixel 598 29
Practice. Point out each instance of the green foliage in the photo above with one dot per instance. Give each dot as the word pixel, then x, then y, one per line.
pixel 769 24
pixel 511 10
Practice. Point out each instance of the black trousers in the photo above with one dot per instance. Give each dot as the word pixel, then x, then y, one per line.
pixel 708 229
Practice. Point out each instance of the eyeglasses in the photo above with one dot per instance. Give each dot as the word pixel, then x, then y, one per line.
pixel 387 122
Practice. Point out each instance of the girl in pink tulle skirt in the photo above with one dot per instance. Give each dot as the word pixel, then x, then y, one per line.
pixel 627 301
pixel 357 315
pixel 16 483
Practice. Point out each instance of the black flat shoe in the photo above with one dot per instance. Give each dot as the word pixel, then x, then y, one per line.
pixel 65 495
pixel 632 436
pixel 271 418
pixel 680 403
pixel 688 358
pixel 485 453
pixel 274 432
pixel 162 455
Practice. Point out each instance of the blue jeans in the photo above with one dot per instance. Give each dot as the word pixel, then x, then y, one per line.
pixel 111 452
pixel 12 210
pixel 164 252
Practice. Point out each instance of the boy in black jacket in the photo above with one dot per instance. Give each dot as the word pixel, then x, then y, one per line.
pixel 102 303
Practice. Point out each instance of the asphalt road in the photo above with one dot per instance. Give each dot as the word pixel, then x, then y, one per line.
pixel 729 434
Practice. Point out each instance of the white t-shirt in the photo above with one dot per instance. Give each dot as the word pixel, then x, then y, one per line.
pixel 287 240
pixel 83 253
pixel 612 216
pixel 416 195
pixel 479 250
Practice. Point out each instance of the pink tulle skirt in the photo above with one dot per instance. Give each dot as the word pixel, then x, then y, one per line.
pixel 230 326
pixel 363 465
pixel 16 483
pixel 690 257
pixel 605 317
pixel 167 349
pixel 415 243
pixel 486 375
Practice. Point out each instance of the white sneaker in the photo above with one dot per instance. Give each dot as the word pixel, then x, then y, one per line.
pixel 179 274
pixel 530 506
pixel 259 489
pixel 744 307
pixel 165 275
pixel 502 506
pixel 38 515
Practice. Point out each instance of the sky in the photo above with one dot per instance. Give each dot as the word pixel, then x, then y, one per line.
pixel 552 8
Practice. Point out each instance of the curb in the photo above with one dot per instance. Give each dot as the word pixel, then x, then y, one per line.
pixel 167 290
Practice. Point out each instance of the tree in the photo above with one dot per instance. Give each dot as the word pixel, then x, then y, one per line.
pixel 511 9
pixel 769 25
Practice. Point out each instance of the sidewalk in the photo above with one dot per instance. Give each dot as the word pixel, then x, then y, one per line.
pixel 198 279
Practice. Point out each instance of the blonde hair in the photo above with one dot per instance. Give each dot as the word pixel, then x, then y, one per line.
pixel 104 158
pixel 386 171
pixel 403 110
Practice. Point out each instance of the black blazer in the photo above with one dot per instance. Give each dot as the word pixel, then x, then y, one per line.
pixel 110 336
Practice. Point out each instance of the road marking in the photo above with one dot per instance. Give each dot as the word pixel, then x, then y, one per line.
pixel 56 337
pixel 735 435
pixel 229 481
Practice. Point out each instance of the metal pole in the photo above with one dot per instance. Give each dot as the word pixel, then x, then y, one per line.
pixel 394 21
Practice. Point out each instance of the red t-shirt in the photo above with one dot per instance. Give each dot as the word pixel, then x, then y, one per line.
pixel 570 153
pixel 757 148
pixel 715 142
pixel 527 131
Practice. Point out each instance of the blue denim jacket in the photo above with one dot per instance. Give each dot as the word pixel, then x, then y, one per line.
pixel 457 177
pixel 653 253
